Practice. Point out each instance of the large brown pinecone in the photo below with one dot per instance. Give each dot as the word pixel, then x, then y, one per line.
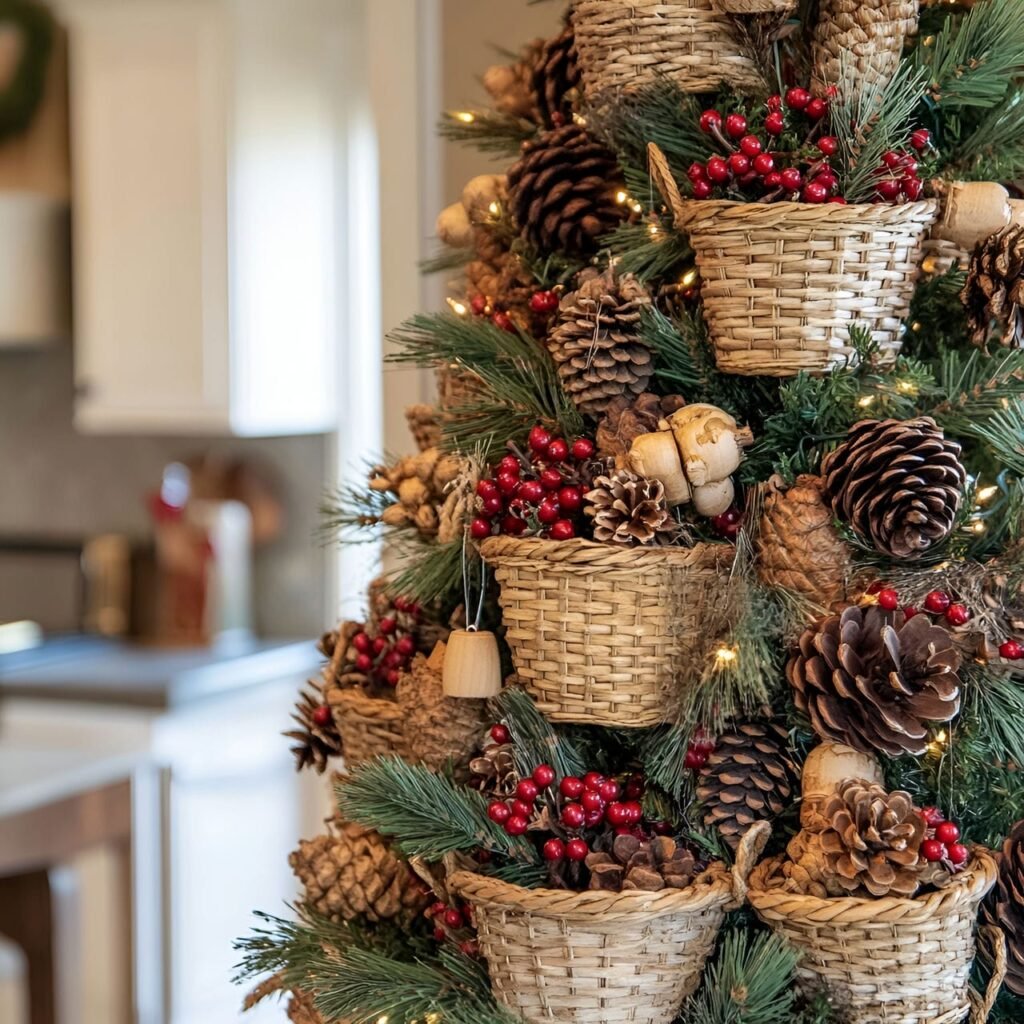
pixel 898 484
pixel 874 680
pixel 1005 906
pixel 350 872
pixel 626 418
pixel 994 290
pixel 597 345
pixel 556 79
pixel 748 777
pixel 630 509
pixel 648 865
pixel 563 190
pixel 873 841
pixel 798 547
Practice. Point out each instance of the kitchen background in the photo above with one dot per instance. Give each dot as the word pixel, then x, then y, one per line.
pixel 251 184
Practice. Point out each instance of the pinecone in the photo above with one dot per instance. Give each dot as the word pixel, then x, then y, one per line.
pixel 897 483
pixel 749 777
pixel 873 840
pixel 648 865
pixel 424 425
pixel 871 33
pixel 625 419
pixel 419 484
pixel 1004 907
pixel 630 509
pixel 317 739
pixel 797 545
pixel 494 771
pixel 597 344
pixel 302 1010
pixel 351 872
pixel 563 190
pixel 873 679
pixel 556 79
pixel 994 289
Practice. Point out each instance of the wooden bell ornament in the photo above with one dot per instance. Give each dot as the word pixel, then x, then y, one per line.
pixel 974 210
pixel 472 664
pixel 826 766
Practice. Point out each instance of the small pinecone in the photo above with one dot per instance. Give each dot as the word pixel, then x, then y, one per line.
pixel 797 544
pixel 630 509
pixel 419 484
pixel 597 344
pixel 897 483
pixel 556 79
pixel 351 871
pixel 511 86
pixel 873 841
pixel 302 1010
pixel 494 771
pixel 648 865
pixel 871 34
pixel 749 777
pixel 424 425
pixel 994 289
pixel 625 419
pixel 317 739
pixel 1004 907
pixel 562 192
pixel 874 680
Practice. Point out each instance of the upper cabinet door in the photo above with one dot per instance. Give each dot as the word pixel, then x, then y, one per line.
pixel 205 155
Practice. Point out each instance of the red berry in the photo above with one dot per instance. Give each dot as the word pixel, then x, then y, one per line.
pixel 551 479
pixel 774 102
pixel 718 170
pixel 479 529
pixel 815 192
pixel 635 788
pixel 889 599
pixel 388 626
pixel 617 814
pixel 554 849
pixel 570 499
pixel 577 849
pixel 510 466
pixel 775 123
pixel 764 163
pixel 947 832
pixel 1011 650
pixel 791 179
pixel 500 733
pixel 888 188
pixel 498 812
pixel 557 451
pixel 453 918
pixel 739 164
pixel 937 601
pixel 563 530
pixel 694 759
pixel 593 780
pixel 478 304
pixel 797 98
pixel 662 828
pixel 909 165
pixel 539 439
pixel 695 172
pixel 362 643
pixel 379 643
pixel 912 188
pixel 406 646
pixel 435 908
pixel 487 489
pixel 933 816
pixel 508 483
pixel 702 739
pixel 932 850
pixel 591 800
pixel 504 321
pixel 816 109
pixel 827 178
pixel 521 808
pixel 702 189
pixel 921 139
pixel 570 787
pixel 710 120
pixel 469 948
pixel 322 715
pixel 513 525
pixel 364 662
pixel 609 790
pixel 909 612
pixel 636 811
pixel 393 677
pixel 440 935
pixel 735 126
pixel 828 144
pixel 544 302
pixel 547 512
pixel 773 180
pixel 531 491
pixel 958 614
pixel 573 816
pixel 750 145
pixel 527 790
pixel 958 853
pixel 841 200
pixel 516 825
pixel 543 775
pixel 582 449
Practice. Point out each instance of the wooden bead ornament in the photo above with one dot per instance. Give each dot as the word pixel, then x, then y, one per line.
pixel 472 664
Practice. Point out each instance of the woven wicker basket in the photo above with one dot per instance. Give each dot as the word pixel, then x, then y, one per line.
pixel 628 45
pixel 369 726
pixel 939 256
pixel 755 6
pixel 601 633
pixel 885 961
pixel 601 957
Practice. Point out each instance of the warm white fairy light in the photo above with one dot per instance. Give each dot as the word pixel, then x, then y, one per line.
pixel 689 277
pixel 937 743
pixel 987 493
pixel 466 118
pixel 494 209
pixel 866 401
pixel 621 197
pixel 978 526
pixel 908 387
pixel 652 230
pixel 458 308
pixel 725 656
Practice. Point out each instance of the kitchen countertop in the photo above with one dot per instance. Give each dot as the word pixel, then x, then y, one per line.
pixel 105 671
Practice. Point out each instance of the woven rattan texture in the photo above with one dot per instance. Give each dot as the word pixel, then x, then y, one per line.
pixel 940 256
pixel 369 726
pixel 601 633
pixel 783 283
pixel 626 46
pixel 885 961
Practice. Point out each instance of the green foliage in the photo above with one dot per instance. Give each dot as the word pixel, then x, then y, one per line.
pixel 937 320
pixel 1009 1009
pixel 662 755
pixel 993 149
pixel 649 255
pixel 534 740
pixel 1003 432
pixel 447 260
pixel 427 572
pixel 487 131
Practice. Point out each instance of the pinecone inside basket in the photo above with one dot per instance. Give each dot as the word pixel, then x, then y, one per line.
pixel 597 345
pixel 874 680
pixel 748 777
pixel 1005 906
pixel 563 190
pixel 493 772
pixel 898 484
pixel 994 290
pixel 649 865
pixel 630 509
pixel 626 418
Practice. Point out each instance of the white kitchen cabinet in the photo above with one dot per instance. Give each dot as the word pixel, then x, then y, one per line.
pixel 206 178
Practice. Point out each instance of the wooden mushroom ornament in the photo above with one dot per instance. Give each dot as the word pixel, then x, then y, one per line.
pixel 481 201
pixel 472 664
pixel 694 457
pixel 975 210
pixel 826 766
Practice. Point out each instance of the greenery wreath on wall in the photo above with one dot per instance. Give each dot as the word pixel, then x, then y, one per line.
pixel 20 98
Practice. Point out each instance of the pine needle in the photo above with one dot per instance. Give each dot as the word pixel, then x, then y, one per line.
pixel 534 740
pixel 487 131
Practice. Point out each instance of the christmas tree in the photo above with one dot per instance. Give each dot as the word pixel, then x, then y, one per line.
pixel 698 694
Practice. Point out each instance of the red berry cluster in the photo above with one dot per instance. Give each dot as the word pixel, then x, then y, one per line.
pixel 385 652
pixel 936 602
pixel 453 923
pixel 540 495
pixel 514 815
pixel 942 842
pixel 699 750
pixel 728 523
pixel 594 801
pixel 898 175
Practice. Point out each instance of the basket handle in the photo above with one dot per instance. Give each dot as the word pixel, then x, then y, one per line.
pixel 981 1006
pixel 664 181
pixel 751 847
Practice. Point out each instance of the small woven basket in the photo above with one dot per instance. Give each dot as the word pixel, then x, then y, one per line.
pixel 939 256
pixel 755 6
pixel 889 960
pixel 629 45
pixel 602 957
pixel 369 726
pixel 601 633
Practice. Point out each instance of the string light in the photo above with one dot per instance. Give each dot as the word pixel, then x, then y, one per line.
pixel 978 526
pixel 580 120
pixel 937 743
pixel 652 230
pixel 907 387
pixel 689 277
pixel 458 308
pixel 724 656
pixel 495 209
pixel 865 401
pixel 987 493
pixel 621 197
pixel 466 118
pixel 383 1020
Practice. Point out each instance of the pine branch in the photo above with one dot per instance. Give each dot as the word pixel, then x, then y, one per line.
pixel 351 515
pixel 678 365
pixel 487 131
pixel 425 814
pixel 973 386
pixel 994 150
pixel 993 711
pixel 662 756
pixel 1003 432
pixel 427 572
pixel 534 740
pixel 648 254
pixel 447 260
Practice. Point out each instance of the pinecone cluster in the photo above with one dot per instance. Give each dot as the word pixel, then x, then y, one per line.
pixel 994 290
pixel 898 484
pixel 630 509
pixel 424 496
pixel 647 865
pixel 1004 907
pixel 562 192
pixel 597 345
pixel 626 418
pixel 874 680
pixel 748 777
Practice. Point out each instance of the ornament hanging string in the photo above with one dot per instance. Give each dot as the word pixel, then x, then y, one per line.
pixel 473 626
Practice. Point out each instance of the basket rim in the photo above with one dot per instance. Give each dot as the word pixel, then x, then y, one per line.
pixel 693 210
pixel 970 886
pixel 580 551
pixel 353 699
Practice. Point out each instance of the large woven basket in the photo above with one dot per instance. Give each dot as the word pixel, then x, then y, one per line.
pixel 369 726
pixel 629 45
pixel 890 960
pixel 603 634
pixel 601 957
